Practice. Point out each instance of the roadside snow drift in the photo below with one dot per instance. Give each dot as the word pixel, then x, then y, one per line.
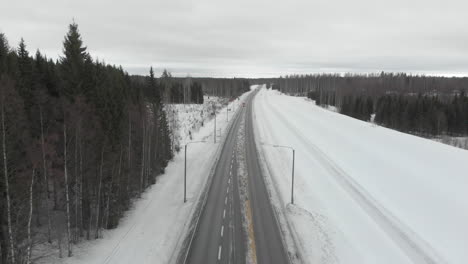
pixel 363 193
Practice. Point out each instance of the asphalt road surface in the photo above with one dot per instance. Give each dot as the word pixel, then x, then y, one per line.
pixel 219 237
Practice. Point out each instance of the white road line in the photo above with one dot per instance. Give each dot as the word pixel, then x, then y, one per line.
pixel 225 200
pixel 227 189
pixel 230 173
pixel 224 213
pixel 222 231
pixel 229 180
pixel 219 252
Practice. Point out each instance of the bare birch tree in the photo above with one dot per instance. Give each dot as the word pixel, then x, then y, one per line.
pixel 98 203
pixel 46 180
pixel 67 195
pixel 7 186
pixel 28 257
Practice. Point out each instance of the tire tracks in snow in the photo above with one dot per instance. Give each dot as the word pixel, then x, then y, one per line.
pixel 413 246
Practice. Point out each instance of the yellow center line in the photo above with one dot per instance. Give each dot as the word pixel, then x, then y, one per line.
pixel 252 246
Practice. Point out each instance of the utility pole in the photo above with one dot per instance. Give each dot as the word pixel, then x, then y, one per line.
pixel 215 128
pixel 173 129
pixel 292 177
pixel 185 167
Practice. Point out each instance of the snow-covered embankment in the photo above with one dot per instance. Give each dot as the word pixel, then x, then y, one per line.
pixel 363 193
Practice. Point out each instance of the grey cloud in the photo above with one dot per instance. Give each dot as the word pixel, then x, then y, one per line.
pixel 253 38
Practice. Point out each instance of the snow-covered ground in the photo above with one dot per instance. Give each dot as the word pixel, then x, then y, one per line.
pixel 153 230
pixel 459 142
pixel 363 193
pixel 186 119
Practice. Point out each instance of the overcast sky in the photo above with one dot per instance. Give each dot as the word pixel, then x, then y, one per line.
pixel 252 38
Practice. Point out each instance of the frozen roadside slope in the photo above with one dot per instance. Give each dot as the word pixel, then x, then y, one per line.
pixel 364 194
pixel 153 230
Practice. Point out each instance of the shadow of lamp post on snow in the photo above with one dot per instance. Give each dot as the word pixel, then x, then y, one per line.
pixel 185 167
pixel 293 158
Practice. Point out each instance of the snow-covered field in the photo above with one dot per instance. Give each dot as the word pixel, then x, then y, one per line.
pixel 363 193
pixel 153 230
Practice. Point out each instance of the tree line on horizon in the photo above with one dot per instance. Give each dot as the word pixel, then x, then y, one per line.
pixel 424 115
pixel 418 104
pixel 417 114
pixel 185 90
pixel 177 90
pixel 371 84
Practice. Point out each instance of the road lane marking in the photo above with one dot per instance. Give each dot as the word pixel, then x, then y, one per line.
pixel 225 200
pixel 224 213
pixel 222 231
pixel 219 252
pixel 229 180
pixel 230 173
pixel 227 189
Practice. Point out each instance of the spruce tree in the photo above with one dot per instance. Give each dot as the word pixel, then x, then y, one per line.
pixel 24 70
pixel 4 49
pixel 72 63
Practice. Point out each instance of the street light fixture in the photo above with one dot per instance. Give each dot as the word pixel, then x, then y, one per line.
pixel 293 158
pixel 185 168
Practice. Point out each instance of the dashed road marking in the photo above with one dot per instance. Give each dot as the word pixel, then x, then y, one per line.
pixel 219 252
pixel 225 200
pixel 222 231
pixel 229 180
pixel 224 213
pixel 227 189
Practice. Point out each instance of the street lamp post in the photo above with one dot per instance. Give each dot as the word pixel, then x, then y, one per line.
pixel 185 168
pixel 214 126
pixel 173 130
pixel 292 174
